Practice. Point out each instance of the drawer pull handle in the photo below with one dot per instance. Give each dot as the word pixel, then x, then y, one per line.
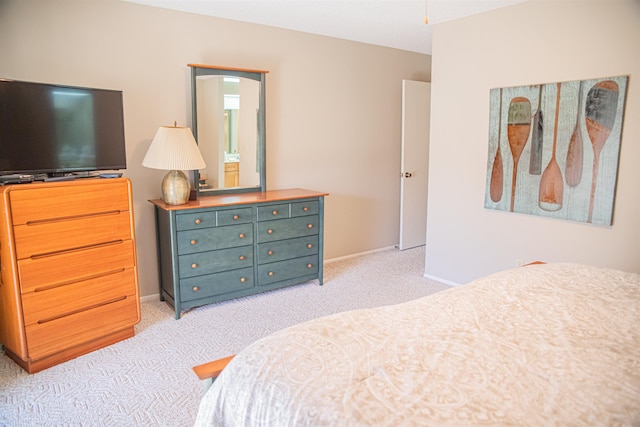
pixel 271 273
pixel 198 221
pixel 194 265
pixel 196 289
pixel 194 241
pixel 270 231
pixel 243 279
pixel 242 257
pixel 270 253
pixel 310 246
pixel 306 209
pixel 274 213
pixel 310 226
pixel 309 265
pixel 236 217
pixel 242 235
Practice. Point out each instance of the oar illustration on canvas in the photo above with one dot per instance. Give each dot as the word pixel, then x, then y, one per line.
pixel 600 112
pixel 518 127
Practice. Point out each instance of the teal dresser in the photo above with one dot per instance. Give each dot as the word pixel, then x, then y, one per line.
pixel 228 246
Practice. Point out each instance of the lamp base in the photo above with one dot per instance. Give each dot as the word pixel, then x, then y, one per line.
pixel 175 188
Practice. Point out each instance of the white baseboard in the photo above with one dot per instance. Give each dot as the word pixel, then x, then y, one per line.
pixel 427 276
pixel 441 280
pixel 328 261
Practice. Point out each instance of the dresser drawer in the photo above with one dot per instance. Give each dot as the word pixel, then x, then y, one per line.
pixel 287 228
pixel 216 284
pixel 44 237
pixel 72 266
pixel 235 216
pixel 68 201
pixel 78 328
pixel 59 301
pixel 269 212
pixel 206 219
pixel 307 207
pixel 215 261
pixel 287 249
pixel 284 270
pixel 193 241
pixel 193 221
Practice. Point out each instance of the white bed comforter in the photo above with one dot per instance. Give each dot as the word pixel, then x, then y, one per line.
pixel 544 345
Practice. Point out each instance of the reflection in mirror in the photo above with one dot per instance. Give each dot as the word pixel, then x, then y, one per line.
pixel 229 126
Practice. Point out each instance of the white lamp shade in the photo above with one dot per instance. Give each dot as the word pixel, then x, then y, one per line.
pixel 173 148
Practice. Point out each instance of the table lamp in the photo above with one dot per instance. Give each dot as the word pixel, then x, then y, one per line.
pixel 174 149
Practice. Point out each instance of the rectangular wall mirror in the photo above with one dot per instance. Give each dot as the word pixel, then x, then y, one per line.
pixel 228 110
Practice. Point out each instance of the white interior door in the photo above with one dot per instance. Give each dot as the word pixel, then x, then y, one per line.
pixel 416 111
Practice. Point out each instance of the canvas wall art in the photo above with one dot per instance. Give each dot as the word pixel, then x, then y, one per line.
pixel 554 149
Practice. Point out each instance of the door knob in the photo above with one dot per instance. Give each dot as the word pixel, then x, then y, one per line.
pixel 407 174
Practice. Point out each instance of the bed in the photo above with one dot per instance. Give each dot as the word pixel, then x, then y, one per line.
pixel 550 344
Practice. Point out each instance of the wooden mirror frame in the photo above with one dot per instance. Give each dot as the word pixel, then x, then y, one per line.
pixel 257 75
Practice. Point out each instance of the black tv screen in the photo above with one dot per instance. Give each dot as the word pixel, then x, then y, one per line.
pixel 54 129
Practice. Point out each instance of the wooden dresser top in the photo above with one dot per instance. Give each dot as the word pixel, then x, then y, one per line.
pixel 241 199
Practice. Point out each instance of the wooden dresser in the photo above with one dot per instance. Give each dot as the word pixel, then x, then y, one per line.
pixel 222 247
pixel 69 278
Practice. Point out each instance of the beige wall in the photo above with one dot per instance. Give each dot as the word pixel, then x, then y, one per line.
pixel 333 107
pixel 533 42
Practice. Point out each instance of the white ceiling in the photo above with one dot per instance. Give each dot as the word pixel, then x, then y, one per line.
pixel 392 23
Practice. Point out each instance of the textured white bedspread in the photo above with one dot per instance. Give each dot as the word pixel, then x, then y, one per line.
pixel 543 345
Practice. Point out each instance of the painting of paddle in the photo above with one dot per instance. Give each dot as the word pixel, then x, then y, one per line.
pixel 551 185
pixel 496 184
pixel 535 159
pixel 600 114
pixel 575 152
pixel 556 179
pixel 518 127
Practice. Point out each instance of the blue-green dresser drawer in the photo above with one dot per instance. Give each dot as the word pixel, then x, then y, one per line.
pixel 281 229
pixel 210 262
pixel 287 249
pixel 285 270
pixel 216 284
pixel 235 216
pixel 307 207
pixel 269 212
pixel 194 221
pixel 210 239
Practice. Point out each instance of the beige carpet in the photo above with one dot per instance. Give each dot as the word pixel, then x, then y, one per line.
pixel 147 380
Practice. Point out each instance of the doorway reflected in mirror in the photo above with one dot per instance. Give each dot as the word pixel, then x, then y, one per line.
pixel 229 125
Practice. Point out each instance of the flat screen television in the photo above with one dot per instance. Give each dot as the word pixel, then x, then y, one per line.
pixel 52 130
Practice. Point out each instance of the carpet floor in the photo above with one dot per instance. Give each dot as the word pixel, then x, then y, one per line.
pixel 147 380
